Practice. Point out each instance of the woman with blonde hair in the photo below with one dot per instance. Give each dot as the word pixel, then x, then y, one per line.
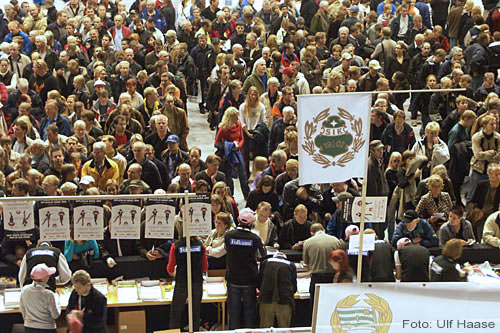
pixel 230 137
pixel 436 204
pixel 219 61
pixel 334 84
pixel 391 173
pixel 252 113
pixel 311 67
pixel 221 189
pixel 272 42
pixel 260 164
pixel 433 147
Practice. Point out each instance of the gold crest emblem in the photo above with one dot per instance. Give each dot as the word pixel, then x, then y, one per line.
pixel 339 134
pixel 348 316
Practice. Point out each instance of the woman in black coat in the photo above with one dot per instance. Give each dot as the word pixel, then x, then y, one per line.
pixel 399 62
pixel 87 304
pixel 265 191
pixel 444 267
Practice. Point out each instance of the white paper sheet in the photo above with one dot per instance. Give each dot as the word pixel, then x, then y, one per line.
pixel 216 289
pixel 127 294
pixel 12 298
pixel 152 293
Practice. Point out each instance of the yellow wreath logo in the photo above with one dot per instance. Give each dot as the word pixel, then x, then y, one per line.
pixel 376 317
pixel 335 138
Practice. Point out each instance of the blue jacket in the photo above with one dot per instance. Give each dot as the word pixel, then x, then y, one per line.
pixel 159 19
pixel 62 123
pixel 423 230
pixel 27 43
pixel 423 9
pixel 71 248
pixel 232 157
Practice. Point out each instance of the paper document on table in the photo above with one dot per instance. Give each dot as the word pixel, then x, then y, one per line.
pixel 216 289
pixel 102 288
pixel 368 243
pixel 303 285
pixel 152 293
pixel 127 294
pixel 12 298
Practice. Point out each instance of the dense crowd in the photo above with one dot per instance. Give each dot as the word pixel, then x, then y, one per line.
pixel 94 101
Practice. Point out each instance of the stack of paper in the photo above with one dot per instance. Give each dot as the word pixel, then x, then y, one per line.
pixel 150 290
pixel 215 286
pixel 12 298
pixel 101 285
pixel 303 287
pixel 127 292
pixel 64 295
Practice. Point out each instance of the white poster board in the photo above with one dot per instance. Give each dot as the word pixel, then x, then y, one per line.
pixel 54 220
pixel 88 220
pixel 160 218
pixel 200 215
pixel 406 307
pixel 376 208
pixel 126 219
pixel 18 219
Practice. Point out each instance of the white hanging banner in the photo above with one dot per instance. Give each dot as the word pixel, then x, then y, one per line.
pixel 54 220
pixel 88 220
pixel 334 134
pixel 18 219
pixel 454 307
pixel 200 215
pixel 126 219
pixel 160 218
pixel 376 208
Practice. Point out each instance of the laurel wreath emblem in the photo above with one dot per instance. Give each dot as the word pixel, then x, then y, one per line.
pixel 311 127
pixel 383 317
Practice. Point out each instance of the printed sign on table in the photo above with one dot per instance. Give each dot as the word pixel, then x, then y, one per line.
pixel 54 220
pixel 18 219
pixel 160 218
pixel 376 207
pixel 200 215
pixel 88 220
pixel 125 220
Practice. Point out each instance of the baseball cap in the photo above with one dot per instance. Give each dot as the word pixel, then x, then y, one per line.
pixel 173 138
pixel 410 215
pixel 287 71
pixel 346 56
pixel 41 271
pixel 99 83
pixel 374 64
pixel 376 144
pixel 247 216
pixel 351 230
pixel 402 242
pixel 86 180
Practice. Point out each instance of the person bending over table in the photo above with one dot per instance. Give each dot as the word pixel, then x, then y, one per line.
pixel 87 307
pixel 295 231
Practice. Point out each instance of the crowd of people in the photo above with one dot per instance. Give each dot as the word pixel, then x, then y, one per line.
pixel 94 99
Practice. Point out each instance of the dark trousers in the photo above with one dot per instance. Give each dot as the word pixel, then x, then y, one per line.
pixel 318 278
pixel 242 175
pixel 204 89
pixel 38 330
pixel 236 296
pixel 179 302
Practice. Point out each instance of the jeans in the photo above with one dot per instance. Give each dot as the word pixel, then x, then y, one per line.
pixel 242 175
pixel 179 302
pixel 235 296
pixel 475 178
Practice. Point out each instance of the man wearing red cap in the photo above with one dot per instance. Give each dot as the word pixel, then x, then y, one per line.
pixel 39 305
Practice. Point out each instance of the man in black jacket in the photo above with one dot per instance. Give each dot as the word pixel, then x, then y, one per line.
pixel 150 173
pixel 307 11
pixel 242 245
pixel 277 285
pixel 477 56
pixel 216 91
pixel 202 55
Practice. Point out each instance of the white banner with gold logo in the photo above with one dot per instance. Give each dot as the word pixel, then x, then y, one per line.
pixel 407 307
pixel 334 134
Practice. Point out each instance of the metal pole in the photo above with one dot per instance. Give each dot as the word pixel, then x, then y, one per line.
pixel 188 246
pixel 97 197
pixel 392 92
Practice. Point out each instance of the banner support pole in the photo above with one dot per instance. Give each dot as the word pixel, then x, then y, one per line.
pixel 188 259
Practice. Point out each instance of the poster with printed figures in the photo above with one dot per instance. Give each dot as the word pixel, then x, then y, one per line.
pixel 88 220
pixel 18 219
pixel 375 212
pixel 160 218
pixel 126 219
pixel 200 215
pixel 53 219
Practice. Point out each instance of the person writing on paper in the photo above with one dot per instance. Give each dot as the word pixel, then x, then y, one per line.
pixel 340 263
pixel 445 268
pixel 39 305
pixel 411 261
pixel 456 227
pixel 216 250
pixel 435 205
pixel 416 229
pixel 199 265
pixel 80 253
pixel 86 305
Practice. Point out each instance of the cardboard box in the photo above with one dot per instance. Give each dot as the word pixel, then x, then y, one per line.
pixel 131 321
